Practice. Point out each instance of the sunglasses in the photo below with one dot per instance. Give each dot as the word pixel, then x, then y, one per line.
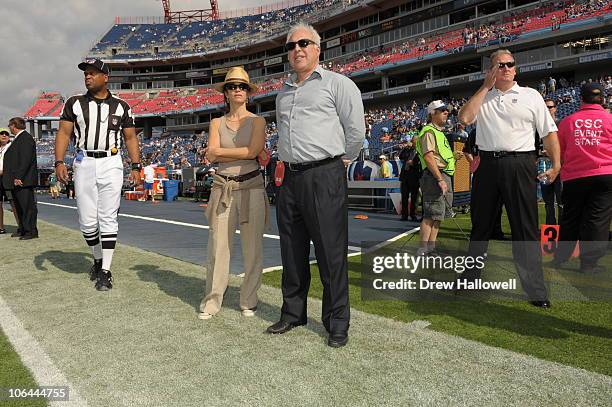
pixel 303 43
pixel 550 107
pixel 507 64
pixel 234 86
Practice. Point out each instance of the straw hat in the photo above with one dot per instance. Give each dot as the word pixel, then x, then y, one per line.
pixel 236 74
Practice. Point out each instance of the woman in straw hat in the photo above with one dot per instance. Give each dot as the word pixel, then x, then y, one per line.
pixel 237 198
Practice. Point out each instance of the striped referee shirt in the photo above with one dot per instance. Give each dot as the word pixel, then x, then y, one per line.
pixel 97 122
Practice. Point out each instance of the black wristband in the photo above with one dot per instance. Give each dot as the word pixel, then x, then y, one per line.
pixel 58 162
pixel 136 166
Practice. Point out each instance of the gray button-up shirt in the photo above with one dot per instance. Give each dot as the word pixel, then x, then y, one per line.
pixel 320 118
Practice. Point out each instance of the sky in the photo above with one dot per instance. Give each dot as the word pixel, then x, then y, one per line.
pixel 42 42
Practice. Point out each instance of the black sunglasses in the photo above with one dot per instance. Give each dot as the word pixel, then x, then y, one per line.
pixel 507 64
pixel 550 107
pixel 303 43
pixel 234 86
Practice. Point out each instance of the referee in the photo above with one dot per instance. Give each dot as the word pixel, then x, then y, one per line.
pixel 508 116
pixel 97 118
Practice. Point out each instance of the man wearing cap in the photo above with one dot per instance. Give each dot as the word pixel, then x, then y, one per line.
pixel 386 170
pixel 20 177
pixel 586 150
pixel 320 122
pixel 507 116
pixel 438 164
pixel 97 119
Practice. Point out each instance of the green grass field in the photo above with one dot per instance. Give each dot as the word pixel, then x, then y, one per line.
pixel 14 374
pixel 141 344
pixel 573 333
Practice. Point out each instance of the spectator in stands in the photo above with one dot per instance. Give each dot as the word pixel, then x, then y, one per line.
pixel 237 198
pixel 20 176
pixel 438 163
pixel 320 119
pixel 551 192
pixel 586 150
pixel 386 169
pixel 507 169
pixel 542 88
pixel 552 84
pixel 5 142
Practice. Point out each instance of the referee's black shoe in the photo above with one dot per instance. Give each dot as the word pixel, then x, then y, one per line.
pixel 95 269
pixel 105 280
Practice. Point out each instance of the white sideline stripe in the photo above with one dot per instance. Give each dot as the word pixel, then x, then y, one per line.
pixel 34 358
pixel 357 253
pixel 175 222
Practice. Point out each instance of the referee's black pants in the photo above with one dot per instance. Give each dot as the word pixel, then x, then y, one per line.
pixel 587 210
pixel 312 205
pixel 511 180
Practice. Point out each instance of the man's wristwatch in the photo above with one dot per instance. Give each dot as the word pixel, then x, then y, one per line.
pixel 136 166
pixel 58 162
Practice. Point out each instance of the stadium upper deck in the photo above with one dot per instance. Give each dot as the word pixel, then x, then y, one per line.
pixel 387 57
pixel 142 41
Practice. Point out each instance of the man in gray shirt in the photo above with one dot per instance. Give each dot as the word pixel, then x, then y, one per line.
pixel 320 122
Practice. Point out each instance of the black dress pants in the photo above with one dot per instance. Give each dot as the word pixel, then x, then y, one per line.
pixel 312 205
pixel 587 210
pixel 511 180
pixel 551 194
pixel 410 193
pixel 25 205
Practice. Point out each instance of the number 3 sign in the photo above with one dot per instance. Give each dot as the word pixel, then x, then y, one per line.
pixel 549 238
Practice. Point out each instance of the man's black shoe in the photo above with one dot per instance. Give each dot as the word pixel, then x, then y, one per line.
pixel 105 281
pixel 414 219
pixel 281 327
pixel 541 304
pixel 95 270
pixel 29 236
pixel 337 340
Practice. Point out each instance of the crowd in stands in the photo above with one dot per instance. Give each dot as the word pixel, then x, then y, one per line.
pixel 386 129
pixel 193 99
pixel 174 39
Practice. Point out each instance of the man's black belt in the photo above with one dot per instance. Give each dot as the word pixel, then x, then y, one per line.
pixel 241 178
pixel 306 166
pixel 500 154
pixel 100 154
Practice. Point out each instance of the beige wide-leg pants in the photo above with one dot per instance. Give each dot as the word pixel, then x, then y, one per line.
pixel 222 230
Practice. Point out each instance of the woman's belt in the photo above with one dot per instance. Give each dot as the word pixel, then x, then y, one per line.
pixel 241 178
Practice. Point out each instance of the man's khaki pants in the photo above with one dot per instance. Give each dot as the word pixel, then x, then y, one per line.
pixel 220 242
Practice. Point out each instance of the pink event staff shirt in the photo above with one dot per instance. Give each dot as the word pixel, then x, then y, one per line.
pixel 586 143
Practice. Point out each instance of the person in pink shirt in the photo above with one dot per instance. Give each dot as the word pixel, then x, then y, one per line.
pixel 585 138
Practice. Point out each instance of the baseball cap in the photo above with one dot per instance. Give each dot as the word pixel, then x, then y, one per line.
pixel 436 105
pixel 3 130
pixel 96 63
pixel 382 157
pixel 592 89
